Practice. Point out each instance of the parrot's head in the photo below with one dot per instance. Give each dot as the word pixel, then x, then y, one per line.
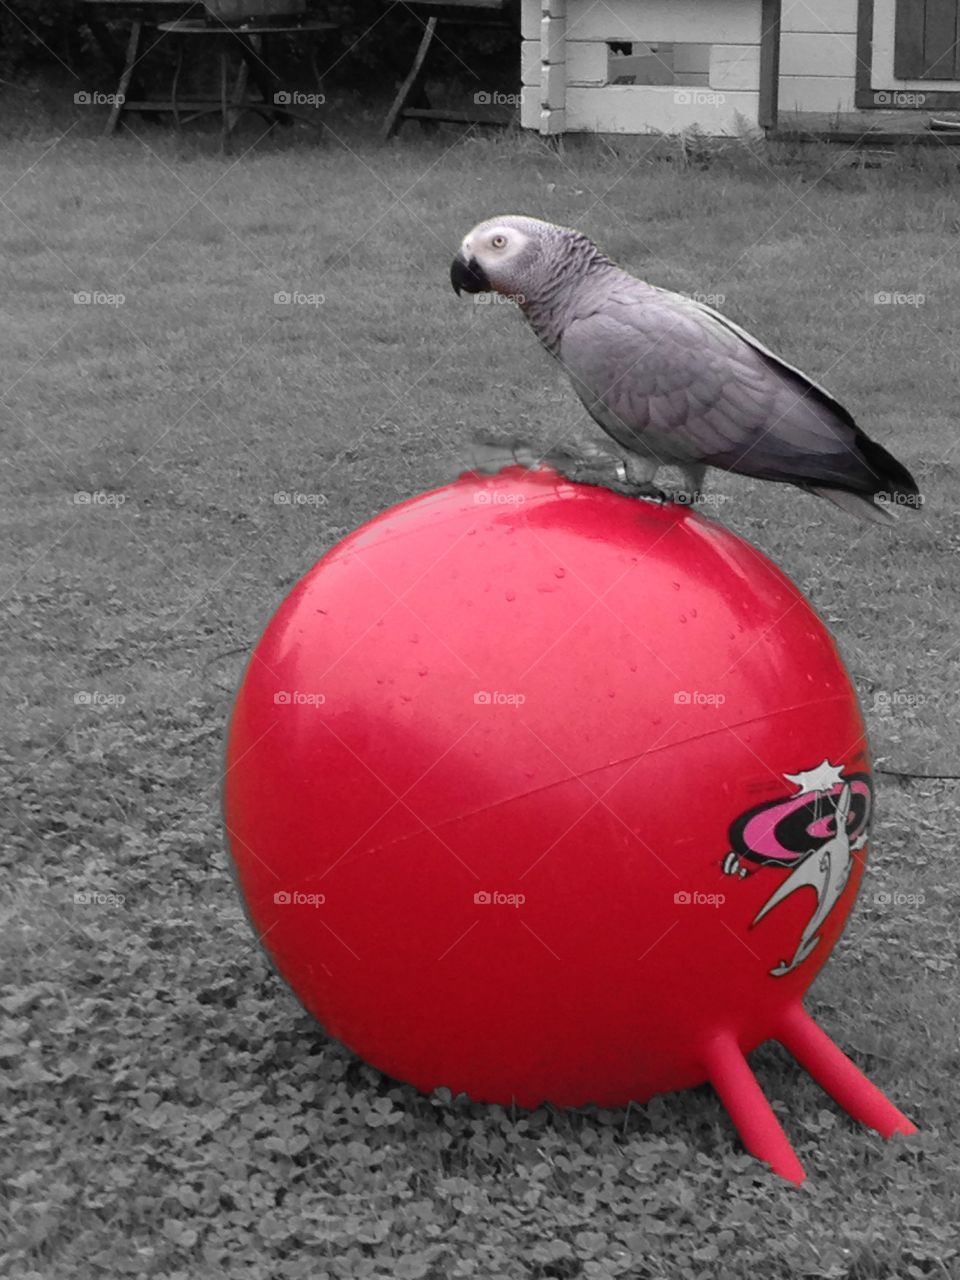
pixel 508 255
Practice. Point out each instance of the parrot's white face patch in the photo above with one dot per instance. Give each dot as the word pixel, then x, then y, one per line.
pixel 494 247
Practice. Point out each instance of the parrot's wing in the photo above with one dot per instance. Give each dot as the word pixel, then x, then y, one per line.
pixel 678 381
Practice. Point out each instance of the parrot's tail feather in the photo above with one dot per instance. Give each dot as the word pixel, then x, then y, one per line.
pixel 856 504
pixel 892 480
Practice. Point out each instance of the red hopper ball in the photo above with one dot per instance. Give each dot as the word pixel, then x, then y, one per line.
pixel 538 792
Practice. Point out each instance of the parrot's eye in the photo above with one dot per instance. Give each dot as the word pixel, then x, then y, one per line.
pixel 498 241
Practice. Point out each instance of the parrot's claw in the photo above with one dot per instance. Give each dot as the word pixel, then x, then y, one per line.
pixel 599 468
pixel 606 479
pixel 604 471
pixel 648 491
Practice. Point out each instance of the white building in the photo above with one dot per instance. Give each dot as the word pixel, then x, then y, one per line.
pixel 635 66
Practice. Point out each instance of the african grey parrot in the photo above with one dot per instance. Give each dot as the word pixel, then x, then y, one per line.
pixel 674 382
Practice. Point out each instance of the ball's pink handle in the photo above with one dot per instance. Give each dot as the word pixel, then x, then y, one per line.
pixel 751 1113
pixel 835 1073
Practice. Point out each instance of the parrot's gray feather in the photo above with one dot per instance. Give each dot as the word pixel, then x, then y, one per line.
pixel 672 380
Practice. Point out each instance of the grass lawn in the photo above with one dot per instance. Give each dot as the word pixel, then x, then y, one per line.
pixel 170 1109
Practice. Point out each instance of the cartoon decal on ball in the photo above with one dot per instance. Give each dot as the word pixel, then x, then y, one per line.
pixel 815 831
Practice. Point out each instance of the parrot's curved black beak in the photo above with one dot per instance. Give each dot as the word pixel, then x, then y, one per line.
pixel 468 275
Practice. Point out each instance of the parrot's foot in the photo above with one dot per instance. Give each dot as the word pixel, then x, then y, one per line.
pixel 586 471
pixel 642 490
pixel 603 470
pixel 599 468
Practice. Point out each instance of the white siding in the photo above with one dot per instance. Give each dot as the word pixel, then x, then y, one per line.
pixel 735 66
pixel 819 15
pixel 732 66
pixel 814 93
pixel 818 55
pixel 725 65
pixel 693 21
pixel 634 108
pixel 720 21
pixel 814 54
pixel 586 62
